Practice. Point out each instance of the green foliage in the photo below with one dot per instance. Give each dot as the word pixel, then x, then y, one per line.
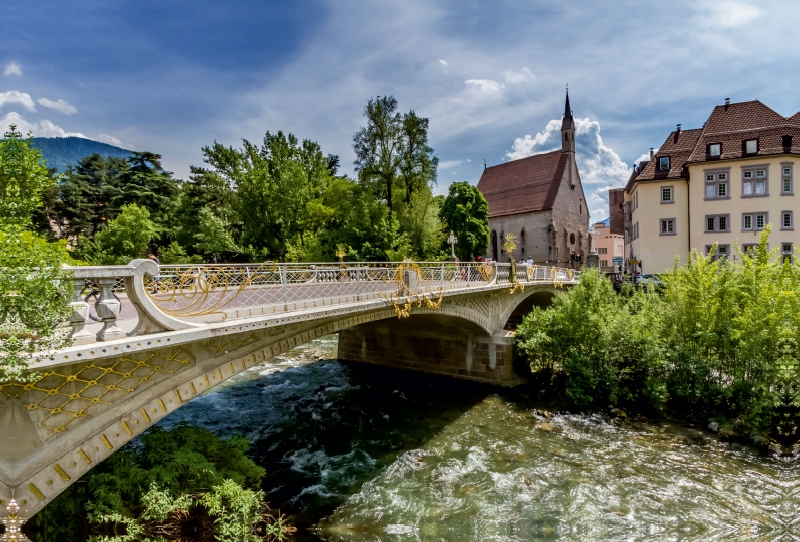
pixel 175 255
pixel 23 179
pixel 465 212
pixel 279 189
pixel 126 238
pixel 86 192
pixel 34 295
pixel 213 238
pixel 147 482
pixel 720 340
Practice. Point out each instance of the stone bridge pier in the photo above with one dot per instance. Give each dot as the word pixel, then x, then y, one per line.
pixel 442 344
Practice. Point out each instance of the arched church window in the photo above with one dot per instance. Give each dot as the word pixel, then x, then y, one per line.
pixel 571 238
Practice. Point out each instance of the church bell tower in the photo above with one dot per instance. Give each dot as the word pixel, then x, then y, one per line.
pixel 568 129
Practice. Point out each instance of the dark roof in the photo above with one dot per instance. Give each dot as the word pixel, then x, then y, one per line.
pixel 678 147
pixel 732 124
pixel 524 185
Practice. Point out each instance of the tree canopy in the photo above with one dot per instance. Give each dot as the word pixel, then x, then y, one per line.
pixel 465 212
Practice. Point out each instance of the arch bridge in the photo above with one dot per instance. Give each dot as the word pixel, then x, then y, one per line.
pixel 168 334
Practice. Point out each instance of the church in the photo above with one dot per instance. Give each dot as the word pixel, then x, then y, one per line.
pixel 540 200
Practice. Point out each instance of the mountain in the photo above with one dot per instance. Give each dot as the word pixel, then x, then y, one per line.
pixel 61 152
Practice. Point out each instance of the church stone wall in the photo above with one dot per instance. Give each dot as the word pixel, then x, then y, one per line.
pixel 534 243
pixel 571 216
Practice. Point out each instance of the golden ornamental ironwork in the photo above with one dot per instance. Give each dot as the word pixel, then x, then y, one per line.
pixel 403 298
pixel 58 398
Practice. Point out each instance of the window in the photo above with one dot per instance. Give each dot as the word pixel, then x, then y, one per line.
pixel 715 150
pixel 718 223
pixel 754 221
pixel 603 263
pixel 786 182
pixel 786 252
pixel 717 185
pixel 667 226
pixel 722 251
pixel 751 146
pixel 602 250
pixel 754 181
pixel 787 222
pixel 667 194
pixel 663 163
pixel 749 248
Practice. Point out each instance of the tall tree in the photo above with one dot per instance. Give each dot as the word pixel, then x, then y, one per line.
pixel 378 147
pixel 466 212
pixel 23 179
pixel 86 192
pixel 280 189
pixel 146 184
pixel 418 164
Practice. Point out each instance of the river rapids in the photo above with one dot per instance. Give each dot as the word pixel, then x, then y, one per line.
pixel 357 454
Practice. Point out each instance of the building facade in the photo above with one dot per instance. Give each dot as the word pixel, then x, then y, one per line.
pixel 715 186
pixel 539 200
pixel 610 248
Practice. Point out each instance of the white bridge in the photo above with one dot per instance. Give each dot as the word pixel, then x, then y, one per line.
pixel 164 335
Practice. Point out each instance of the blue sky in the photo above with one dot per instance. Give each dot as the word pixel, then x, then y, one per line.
pixel 172 76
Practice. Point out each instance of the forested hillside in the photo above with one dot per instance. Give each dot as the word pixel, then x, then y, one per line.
pixel 61 152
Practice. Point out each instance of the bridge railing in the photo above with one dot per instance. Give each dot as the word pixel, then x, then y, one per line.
pixel 179 296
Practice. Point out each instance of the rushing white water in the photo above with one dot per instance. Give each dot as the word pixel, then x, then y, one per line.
pixel 364 454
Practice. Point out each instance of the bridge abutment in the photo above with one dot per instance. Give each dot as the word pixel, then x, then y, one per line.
pixel 412 345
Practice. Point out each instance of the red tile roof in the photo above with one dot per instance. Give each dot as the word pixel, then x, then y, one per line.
pixel 524 185
pixel 730 125
pixel 677 148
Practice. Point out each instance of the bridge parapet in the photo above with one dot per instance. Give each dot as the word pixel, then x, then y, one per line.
pixel 176 297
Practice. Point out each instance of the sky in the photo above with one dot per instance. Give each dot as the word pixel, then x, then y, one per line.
pixel 172 76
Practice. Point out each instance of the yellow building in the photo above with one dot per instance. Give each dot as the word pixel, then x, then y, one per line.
pixel 718 184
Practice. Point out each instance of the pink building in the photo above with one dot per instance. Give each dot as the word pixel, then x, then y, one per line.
pixel 610 248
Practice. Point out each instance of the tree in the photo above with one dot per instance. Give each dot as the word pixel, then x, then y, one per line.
pixel 34 289
pixel 213 238
pixel 23 179
pixel 126 238
pixel 466 212
pixel 417 161
pixel 377 147
pixel 86 192
pixel 145 183
pixel 280 189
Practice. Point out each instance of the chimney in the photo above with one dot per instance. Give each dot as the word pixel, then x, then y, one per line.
pixel 677 134
pixel 651 153
pixel 727 103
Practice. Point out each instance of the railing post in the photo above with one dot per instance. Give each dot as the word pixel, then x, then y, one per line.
pixel 80 312
pixel 284 280
pixel 107 308
pixel 358 282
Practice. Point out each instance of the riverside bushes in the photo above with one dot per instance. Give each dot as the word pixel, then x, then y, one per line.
pixel 720 341
pixel 177 485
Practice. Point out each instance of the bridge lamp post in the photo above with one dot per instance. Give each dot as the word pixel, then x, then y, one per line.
pixel 453 240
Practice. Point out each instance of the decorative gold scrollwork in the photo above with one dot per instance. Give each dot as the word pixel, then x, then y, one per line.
pixel 403 298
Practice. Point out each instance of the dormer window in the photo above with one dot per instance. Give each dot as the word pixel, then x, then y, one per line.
pixel 751 146
pixel 715 150
pixel 663 163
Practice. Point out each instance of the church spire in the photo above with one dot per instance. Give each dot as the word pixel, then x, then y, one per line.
pixel 568 128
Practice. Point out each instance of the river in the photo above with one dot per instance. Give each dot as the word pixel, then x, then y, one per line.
pixel 357 454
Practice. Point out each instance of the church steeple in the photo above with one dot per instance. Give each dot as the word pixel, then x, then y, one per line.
pixel 568 129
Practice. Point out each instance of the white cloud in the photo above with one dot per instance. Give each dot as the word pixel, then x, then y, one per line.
pixel 62 106
pixel 449 163
pixel 110 139
pixel 523 76
pixel 16 97
pixel 12 68
pixel 443 63
pixel 44 128
pixel 731 14
pixel 485 86
pixel 597 163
